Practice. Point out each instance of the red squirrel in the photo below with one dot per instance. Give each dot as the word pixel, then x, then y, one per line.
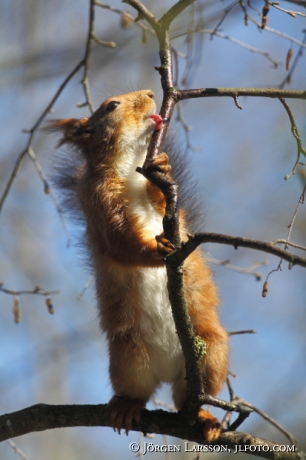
pixel 123 212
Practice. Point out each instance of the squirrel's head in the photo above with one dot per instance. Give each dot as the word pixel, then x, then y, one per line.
pixel 121 122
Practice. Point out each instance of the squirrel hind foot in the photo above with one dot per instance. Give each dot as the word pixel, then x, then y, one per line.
pixel 211 426
pixel 123 410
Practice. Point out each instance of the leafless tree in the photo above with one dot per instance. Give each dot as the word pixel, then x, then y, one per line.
pixel 182 25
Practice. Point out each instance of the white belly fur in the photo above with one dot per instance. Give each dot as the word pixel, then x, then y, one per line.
pixel 156 322
pixel 145 290
pixel 157 325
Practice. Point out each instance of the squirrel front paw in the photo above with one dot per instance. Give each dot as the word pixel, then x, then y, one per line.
pixel 159 163
pixel 164 247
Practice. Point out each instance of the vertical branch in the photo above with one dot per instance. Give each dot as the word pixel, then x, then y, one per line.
pixel 190 344
pixel 85 81
pixel 169 93
pixel 296 135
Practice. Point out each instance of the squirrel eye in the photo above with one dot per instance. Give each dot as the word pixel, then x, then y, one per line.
pixel 112 105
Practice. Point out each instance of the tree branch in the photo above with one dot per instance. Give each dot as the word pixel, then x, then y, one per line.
pixel 236 241
pixel 291 13
pixel 33 130
pixel 288 77
pixel 232 92
pixel 37 290
pixel 126 15
pixel 17 450
pixel 268 419
pixel 273 31
pixel 248 270
pixel 44 417
pixel 175 11
pixel 90 36
pixel 287 242
pixel 296 135
pixel 143 13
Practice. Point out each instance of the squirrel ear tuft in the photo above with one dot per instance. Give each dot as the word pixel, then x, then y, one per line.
pixel 74 129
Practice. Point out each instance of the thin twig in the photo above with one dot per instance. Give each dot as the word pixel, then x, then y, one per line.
pixel 232 40
pixel 140 453
pixel 175 11
pixel 86 286
pixel 290 12
pixel 268 419
pixel 287 243
pixel 247 331
pixel 193 50
pixel 17 450
pixel 288 77
pixel 277 32
pixel 37 290
pixel 228 415
pixel 232 374
pixel 237 104
pixel 90 34
pixel 48 190
pixel 33 130
pixel 290 226
pixel 245 271
pixel 230 389
pixel 143 13
pixel 226 11
pixel 187 128
pixel 295 132
pixel 102 42
pixel 126 15
pixel 176 66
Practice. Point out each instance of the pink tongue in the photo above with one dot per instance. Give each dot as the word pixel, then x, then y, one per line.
pixel 158 121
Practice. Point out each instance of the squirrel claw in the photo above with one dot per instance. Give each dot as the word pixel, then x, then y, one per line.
pixel 123 411
pixel 164 247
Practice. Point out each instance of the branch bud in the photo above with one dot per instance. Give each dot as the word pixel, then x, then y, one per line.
pixel 265 289
pixel 16 309
pixel 50 305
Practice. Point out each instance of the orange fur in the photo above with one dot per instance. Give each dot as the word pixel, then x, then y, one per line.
pixel 123 214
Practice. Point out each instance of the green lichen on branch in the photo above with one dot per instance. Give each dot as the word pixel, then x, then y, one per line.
pixel 200 346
